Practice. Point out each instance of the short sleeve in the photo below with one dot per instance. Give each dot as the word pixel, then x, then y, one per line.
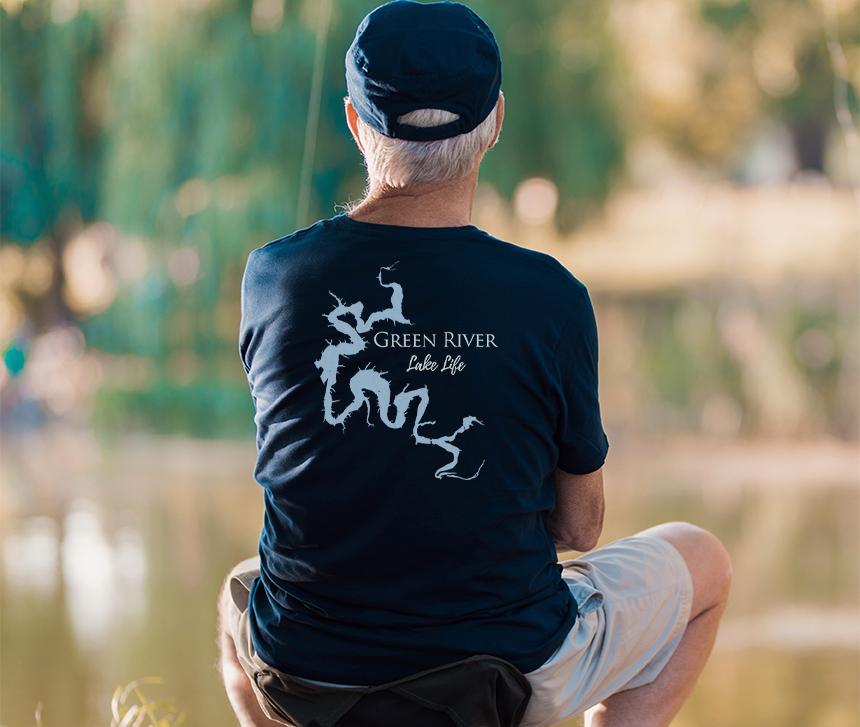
pixel 582 443
pixel 245 328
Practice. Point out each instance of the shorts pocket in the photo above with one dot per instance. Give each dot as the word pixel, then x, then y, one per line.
pixel 586 595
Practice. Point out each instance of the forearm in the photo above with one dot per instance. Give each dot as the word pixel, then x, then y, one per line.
pixel 578 541
pixel 555 532
pixel 576 522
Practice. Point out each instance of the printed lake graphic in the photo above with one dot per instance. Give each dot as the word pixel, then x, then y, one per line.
pixel 368 382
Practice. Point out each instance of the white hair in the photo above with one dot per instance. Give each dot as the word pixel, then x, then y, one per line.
pixel 398 163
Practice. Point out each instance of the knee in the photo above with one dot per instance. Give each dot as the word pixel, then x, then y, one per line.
pixel 224 634
pixel 711 554
pixel 228 665
pixel 222 606
pixel 707 558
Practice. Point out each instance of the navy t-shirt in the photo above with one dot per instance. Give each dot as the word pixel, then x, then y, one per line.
pixel 414 390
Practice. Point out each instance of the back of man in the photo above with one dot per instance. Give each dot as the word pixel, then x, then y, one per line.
pixel 428 425
pixel 415 389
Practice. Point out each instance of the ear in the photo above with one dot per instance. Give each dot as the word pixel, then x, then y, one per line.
pixel 352 121
pixel 500 115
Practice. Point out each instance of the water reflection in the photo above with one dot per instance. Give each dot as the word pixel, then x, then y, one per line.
pixel 111 563
pixel 795 628
pixel 103 579
pixel 31 557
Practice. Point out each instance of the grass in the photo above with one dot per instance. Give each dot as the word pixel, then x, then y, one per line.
pixel 131 707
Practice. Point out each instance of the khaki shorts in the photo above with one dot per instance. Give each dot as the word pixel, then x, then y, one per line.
pixel 634 597
pixel 236 611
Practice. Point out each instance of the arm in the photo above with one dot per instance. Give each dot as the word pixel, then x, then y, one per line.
pixel 577 520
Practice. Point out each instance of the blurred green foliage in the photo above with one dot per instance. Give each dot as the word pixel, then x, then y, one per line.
pixel 182 126
pixel 204 408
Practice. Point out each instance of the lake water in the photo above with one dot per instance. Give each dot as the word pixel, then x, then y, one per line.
pixel 113 552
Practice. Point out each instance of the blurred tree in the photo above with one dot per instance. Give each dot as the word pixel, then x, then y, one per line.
pixel 775 54
pixel 561 84
pixel 50 130
pixel 181 127
pixel 207 111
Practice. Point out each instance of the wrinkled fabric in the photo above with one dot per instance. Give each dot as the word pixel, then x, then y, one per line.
pixel 634 598
pixel 480 691
pixel 414 390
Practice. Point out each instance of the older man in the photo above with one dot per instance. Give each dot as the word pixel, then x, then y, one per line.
pixel 415 493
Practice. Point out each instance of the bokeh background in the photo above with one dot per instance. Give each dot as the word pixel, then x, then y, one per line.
pixel 695 162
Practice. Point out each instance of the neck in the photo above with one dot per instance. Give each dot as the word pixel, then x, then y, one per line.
pixel 446 205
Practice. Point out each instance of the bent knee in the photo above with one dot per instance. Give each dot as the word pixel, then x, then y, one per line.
pixel 222 605
pixel 224 611
pixel 707 559
pixel 228 660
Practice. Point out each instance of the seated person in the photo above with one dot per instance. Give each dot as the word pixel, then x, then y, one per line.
pixel 429 431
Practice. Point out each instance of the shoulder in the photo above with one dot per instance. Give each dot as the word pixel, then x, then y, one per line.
pixel 562 298
pixel 287 243
pixel 265 262
pixel 555 279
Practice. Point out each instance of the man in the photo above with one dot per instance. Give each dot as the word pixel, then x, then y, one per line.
pixel 428 431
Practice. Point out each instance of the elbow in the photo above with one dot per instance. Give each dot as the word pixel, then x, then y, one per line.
pixel 580 534
pixel 582 540
pixel 590 542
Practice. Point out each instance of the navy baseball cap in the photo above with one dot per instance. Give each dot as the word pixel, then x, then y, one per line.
pixel 409 55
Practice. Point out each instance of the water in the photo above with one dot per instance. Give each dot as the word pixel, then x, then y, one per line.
pixel 112 555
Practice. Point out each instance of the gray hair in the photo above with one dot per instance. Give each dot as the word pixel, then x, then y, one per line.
pixel 398 163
